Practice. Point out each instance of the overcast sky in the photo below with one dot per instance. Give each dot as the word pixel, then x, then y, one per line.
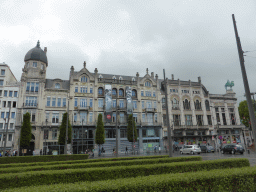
pixel 188 38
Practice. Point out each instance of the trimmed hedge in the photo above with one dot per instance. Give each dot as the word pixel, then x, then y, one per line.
pixel 12 180
pixel 237 179
pixel 79 161
pixel 43 158
pixel 99 164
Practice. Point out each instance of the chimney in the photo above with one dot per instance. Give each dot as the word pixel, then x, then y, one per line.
pixel 137 74
pixel 96 71
pixel 199 79
pixel 172 77
pixel 156 77
pixel 152 75
pixel 45 50
pixel 72 68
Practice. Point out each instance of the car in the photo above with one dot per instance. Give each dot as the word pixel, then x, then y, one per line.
pixel 232 149
pixel 190 149
pixel 207 148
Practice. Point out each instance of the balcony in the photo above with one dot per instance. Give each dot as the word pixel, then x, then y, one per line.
pixel 84 108
pixel 152 110
pixel 175 108
pixel 30 105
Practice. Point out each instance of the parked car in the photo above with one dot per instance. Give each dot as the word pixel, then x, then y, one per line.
pixel 207 149
pixel 190 149
pixel 232 149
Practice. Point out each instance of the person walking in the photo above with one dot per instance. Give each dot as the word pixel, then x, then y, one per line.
pixel 159 149
pixel 126 150
pixel 41 152
pixel 155 149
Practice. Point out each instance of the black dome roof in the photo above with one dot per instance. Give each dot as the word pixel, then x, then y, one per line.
pixel 36 54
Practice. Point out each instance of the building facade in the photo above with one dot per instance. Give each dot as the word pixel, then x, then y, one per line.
pixel 86 94
pixel 9 92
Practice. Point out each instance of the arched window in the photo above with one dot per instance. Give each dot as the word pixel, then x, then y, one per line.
pixel 147 84
pixel 121 92
pixel 114 92
pixel 134 93
pixel 186 104
pixel 100 91
pixel 57 86
pixel 207 106
pixel 175 104
pixel 83 79
pixel 197 105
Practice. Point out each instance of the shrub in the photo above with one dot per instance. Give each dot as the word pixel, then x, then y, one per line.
pixel 44 158
pixel 99 164
pixel 96 174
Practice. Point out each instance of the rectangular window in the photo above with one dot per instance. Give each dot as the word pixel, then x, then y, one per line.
pixel 53 102
pixel 11 125
pixel 13 115
pixel 143 104
pixel 32 88
pixel 114 117
pixel 83 102
pixel 33 117
pixel 10 137
pixel 90 117
pixel 47 115
pixel 64 102
pixel 135 116
pixel 35 64
pixel 2 115
pixel 155 105
pixel 1 82
pixel 1 92
pixel 48 103
pixel 121 117
pixel 10 93
pixel 55 118
pixel 37 87
pixel 155 117
pixel 82 89
pixel 91 103
pixel 121 103
pixel 134 104
pixel 1 125
pixel 143 117
pixel 91 90
pixel 76 89
pixel 2 72
pixel 75 117
pixel 31 101
pixel 9 103
pixel 148 93
pixel 114 103
pixel 46 134
pixel 15 93
pixel 54 134
pixel 209 118
pixel 76 102
pixel 28 86
pixel 149 104
pixel 100 103
pixel 142 93
pixel 5 93
pixel 4 103
pixel 83 117
pixel 59 102
pixel 154 94
pixel 86 90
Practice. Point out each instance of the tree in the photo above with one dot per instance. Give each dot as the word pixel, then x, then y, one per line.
pixel 244 112
pixel 100 132
pixel 25 133
pixel 131 129
pixel 62 135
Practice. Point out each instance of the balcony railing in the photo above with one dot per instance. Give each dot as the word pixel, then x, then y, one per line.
pixel 34 105
pixel 150 110
pixel 85 108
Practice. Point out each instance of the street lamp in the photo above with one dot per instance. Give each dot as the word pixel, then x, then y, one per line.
pixel 82 135
pixel 46 146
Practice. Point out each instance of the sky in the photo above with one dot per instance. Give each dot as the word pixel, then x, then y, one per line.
pixel 187 38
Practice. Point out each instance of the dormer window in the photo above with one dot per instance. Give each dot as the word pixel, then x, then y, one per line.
pixel 83 79
pixel 133 79
pixel 114 77
pixel 147 84
pixel 120 78
pixel 57 86
pixel 35 64
pixel 27 64
pixel 100 77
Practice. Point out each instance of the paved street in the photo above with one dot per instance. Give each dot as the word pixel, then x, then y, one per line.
pixel 205 156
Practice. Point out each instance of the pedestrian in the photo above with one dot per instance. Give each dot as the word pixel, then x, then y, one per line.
pixel 34 153
pixel 13 153
pixel 155 149
pixel 102 150
pixel 126 150
pixel 114 151
pixel 159 149
pixel 41 152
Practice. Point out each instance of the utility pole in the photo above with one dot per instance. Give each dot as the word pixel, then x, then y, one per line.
pixel 245 80
pixel 167 118
pixel 6 133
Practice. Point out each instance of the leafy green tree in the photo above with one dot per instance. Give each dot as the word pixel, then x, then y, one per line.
pixel 62 135
pixel 100 131
pixel 25 133
pixel 131 129
pixel 244 112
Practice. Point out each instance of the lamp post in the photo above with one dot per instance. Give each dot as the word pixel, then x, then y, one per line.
pixel 116 131
pixel 46 146
pixel 6 133
pixel 66 139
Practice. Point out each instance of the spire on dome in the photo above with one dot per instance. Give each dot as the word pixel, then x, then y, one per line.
pixel 38 43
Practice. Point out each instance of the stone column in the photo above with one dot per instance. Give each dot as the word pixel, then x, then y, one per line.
pixel 226 113
pixel 220 115
pixel 140 141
